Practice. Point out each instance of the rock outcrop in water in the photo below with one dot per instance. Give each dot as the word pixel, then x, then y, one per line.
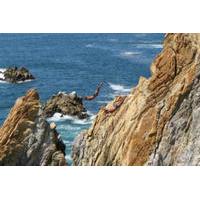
pixel 15 75
pixel 26 138
pixel 66 104
pixel 159 121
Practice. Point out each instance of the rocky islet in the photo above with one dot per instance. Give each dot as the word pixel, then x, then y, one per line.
pixel 65 104
pixel 16 75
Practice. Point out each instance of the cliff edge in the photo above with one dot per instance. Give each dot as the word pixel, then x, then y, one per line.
pixel 159 121
pixel 26 138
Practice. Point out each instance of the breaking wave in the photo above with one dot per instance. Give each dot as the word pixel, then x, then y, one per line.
pixel 58 117
pixel 2 70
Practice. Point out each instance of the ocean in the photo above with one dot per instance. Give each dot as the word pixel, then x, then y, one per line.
pixel 76 62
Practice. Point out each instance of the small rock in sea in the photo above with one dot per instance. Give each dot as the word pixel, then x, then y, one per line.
pixel 65 104
pixel 15 75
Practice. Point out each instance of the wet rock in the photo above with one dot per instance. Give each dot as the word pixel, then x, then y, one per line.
pixel 15 75
pixel 66 104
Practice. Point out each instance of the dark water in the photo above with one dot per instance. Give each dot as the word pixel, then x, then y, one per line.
pixel 76 62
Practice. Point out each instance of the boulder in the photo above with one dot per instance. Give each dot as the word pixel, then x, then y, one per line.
pixel 66 104
pixel 15 75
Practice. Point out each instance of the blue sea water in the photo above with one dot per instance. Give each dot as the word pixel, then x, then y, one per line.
pixel 76 62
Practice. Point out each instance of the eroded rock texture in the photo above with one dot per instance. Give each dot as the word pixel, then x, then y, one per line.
pixel 26 137
pixel 159 121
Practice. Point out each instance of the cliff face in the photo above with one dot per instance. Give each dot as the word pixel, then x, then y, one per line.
pixel 26 138
pixel 159 121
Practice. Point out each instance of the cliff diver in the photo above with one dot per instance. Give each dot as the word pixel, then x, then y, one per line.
pixel 89 98
pixel 119 101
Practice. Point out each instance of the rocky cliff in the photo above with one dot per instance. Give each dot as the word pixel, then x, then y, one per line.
pixel 159 121
pixel 26 138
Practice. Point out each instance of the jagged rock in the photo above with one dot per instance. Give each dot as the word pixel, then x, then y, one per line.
pixel 66 104
pixel 159 121
pixel 15 75
pixel 26 137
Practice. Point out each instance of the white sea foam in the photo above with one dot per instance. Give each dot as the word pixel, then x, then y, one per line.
pixel 157 46
pixel 119 88
pixel 103 102
pixel 84 121
pixel 130 53
pixel 69 127
pixel 113 40
pixel 74 120
pixel 89 45
pixel 67 142
pixel 59 117
pixel 92 117
pixel 68 158
pixel 147 46
pixel 81 121
pixel 4 82
pixel 2 70
pixel 29 80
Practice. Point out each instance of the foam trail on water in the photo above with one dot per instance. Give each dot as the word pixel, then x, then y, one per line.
pixel 103 102
pixel 89 45
pixel 119 88
pixel 130 53
pixel 156 46
pixel 113 40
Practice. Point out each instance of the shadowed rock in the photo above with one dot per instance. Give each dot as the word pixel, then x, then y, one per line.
pixel 66 104
pixel 26 138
